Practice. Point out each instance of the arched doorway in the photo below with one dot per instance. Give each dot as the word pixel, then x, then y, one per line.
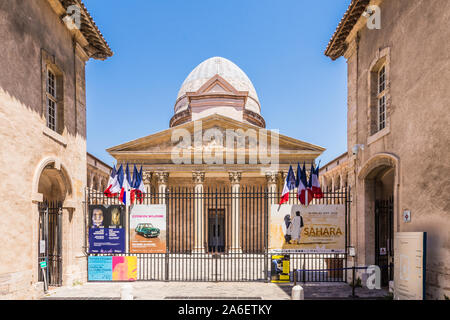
pixel 379 176
pixel 54 186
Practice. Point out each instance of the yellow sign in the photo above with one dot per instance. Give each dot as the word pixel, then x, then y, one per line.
pixel 311 229
pixel 280 268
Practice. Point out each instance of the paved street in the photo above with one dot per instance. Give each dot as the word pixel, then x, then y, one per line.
pixel 207 290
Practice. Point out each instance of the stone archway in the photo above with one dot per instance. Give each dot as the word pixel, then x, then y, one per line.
pixel 52 181
pixel 52 191
pixel 378 178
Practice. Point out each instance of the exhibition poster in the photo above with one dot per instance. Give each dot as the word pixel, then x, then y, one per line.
pixel 308 229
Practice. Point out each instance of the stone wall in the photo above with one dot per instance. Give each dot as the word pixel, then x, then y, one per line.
pixel 416 47
pixel 28 29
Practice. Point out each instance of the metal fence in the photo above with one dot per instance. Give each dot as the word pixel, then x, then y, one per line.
pixel 221 234
pixel 50 241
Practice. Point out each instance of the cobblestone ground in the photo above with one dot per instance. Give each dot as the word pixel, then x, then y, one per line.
pixel 207 290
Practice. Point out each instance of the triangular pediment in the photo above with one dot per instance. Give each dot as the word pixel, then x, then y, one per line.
pixel 162 143
pixel 217 85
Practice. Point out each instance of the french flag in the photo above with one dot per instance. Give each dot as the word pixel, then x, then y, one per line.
pixel 125 186
pixel 304 194
pixel 134 183
pixel 315 184
pixel 289 185
pixel 112 181
pixel 140 187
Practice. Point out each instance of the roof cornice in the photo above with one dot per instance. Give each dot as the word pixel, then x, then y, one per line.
pixel 96 47
pixel 337 45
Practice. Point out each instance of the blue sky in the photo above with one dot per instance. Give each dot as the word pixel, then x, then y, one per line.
pixel 278 44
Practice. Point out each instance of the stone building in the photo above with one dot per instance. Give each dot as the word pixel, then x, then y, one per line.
pixel 334 175
pixel 43 139
pixel 398 137
pixel 217 138
pixel 215 97
pixel 98 173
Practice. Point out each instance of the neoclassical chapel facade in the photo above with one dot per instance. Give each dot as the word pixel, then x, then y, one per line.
pixel 216 98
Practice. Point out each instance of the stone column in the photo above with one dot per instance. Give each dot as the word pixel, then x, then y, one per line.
pixel 271 178
pixel 90 182
pixel 147 179
pixel 199 240
pixel 163 178
pixel 333 187
pixel 235 179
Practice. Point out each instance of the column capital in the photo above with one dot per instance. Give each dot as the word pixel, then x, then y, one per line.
pixel 147 177
pixel 162 176
pixel 235 177
pixel 198 177
pixel 283 175
pixel 271 177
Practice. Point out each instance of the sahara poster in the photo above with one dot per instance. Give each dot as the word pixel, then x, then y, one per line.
pixel 311 229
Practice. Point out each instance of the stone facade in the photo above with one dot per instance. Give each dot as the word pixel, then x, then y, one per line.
pixel 406 157
pixel 98 173
pixel 38 162
pixel 334 175
pixel 221 95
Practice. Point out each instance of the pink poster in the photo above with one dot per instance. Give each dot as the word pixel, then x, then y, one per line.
pixel 124 268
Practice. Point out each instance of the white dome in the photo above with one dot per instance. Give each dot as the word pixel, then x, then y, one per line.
pixel 227 70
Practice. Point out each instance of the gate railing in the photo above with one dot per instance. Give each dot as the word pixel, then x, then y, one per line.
pixel 50 242
pixel 222 235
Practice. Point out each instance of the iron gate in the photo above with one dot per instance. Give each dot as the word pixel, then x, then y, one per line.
pixel 384 238
pixel 50 241
pixel 221 235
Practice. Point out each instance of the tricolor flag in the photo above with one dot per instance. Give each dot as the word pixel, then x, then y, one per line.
pixel 140 186
pixel 304 194
pixel 116 187
pixel 315 184
pixel 133 184
pixel 125 187
pixel 289 185
pixel 112 184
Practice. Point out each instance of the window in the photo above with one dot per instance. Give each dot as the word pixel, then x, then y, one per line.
pixel 52 86
pixel 52 103
pixel 381 97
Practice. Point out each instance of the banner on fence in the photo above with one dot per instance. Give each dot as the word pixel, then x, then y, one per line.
pixel 106 229
pixel 148 228
pixel 112 268
pixel 311 229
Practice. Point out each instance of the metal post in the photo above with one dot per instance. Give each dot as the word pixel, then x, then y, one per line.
pixel 266 235
pixel 353 279
pixel 295 277
pixel 304 273
pixel 166 256
pixel 44 271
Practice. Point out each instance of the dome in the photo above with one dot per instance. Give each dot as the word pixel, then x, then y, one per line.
pixel 227 70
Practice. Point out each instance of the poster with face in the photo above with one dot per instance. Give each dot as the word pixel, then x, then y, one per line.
pixel 308 229
pixel 148 228
pixel 106 229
